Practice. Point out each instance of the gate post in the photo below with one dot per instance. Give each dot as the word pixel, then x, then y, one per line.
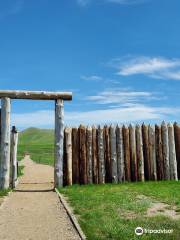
pixel 5 143
pixel 14 145
pixel 59 139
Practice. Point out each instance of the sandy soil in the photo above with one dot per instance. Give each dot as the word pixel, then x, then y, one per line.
pixel 159 208
pixel 33 211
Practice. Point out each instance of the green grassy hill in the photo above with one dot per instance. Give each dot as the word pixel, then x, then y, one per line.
pixel 39 143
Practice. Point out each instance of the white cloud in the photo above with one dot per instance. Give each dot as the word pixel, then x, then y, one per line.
pixel 171 75
pixel 155 67
pixel 92 78
pixel 131 113
pixel 118 115
pixel 121 96
pixel 83 2
pixel 35 119
pixel 122 2
pixel 126 2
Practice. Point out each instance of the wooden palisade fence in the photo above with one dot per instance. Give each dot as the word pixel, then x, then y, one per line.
pixel 121 153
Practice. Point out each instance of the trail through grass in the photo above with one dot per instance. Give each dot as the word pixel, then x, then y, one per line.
pixel 39 143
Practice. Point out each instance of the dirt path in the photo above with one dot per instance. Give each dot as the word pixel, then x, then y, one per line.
pixel 34 211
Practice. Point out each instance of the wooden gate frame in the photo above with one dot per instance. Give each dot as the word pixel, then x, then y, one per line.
pixel 6 96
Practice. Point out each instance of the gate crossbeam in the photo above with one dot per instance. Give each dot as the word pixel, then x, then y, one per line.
pixel 35 95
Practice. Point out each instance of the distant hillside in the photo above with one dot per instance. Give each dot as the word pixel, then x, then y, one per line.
pixel 36 135
pixel 39 143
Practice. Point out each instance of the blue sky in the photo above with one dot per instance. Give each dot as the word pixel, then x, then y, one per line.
pixel 120 58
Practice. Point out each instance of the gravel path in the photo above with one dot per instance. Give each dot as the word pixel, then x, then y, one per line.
pixel 33 211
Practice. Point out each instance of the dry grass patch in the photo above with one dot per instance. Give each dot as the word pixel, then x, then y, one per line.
pixel 159 208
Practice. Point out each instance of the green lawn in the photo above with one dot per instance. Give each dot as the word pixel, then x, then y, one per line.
pixel 39 143
pixel 113 211
pixel 40 153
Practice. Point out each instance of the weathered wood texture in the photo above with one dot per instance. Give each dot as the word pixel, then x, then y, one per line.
pixel 89 155
pixel 159 154
pixel 172 153
pixel 140 156
pixel 35 95
pixel 59 135
pixel 113 154
pixel 101 155
pixel 147 166
pixel 94 155
pixel 152 152
pixel 82 155
pixel 75 154
pixel 120 153
pixel 126 153
pixel 5 143
pixel 107 157
pixel 177 144
pixel 132 138
pixel 14 145
pixel 165 150
pixel 64 162
pixel 68 136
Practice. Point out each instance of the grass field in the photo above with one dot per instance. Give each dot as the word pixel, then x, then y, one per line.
pixel 39 143
pixel 113 211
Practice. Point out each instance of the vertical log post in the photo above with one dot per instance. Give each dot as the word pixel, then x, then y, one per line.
pixel 159 155
pixel 132 141
pixel 64 161
pixel 172 153
pixel 152 152
pixel 94 155
pixel 107 157
pixel 59 136
pixel 140 156
pixel 101 155
pixel 5 143
pixel 82 155
pixel 147 167
pixel 14 145
pixel 126 153
pixel 165 150
pixel 89 154
pixel 68 136
pixel 120 154
pixel 112 130
pixel 177 143
pixel 75 155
